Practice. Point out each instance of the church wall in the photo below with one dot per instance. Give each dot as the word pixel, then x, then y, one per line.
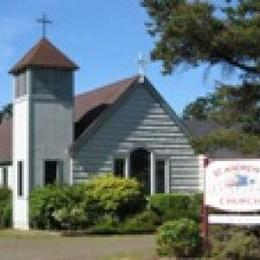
pixel 51 117
pixel 52 84
pixel 139 121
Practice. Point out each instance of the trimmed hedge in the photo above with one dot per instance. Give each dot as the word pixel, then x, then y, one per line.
pixel 176 205
pixel 5 207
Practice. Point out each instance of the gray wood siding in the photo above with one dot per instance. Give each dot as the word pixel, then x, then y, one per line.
pixel 51 121
pixel 139 121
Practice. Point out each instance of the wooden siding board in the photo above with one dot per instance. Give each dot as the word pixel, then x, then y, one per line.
pixel 139 121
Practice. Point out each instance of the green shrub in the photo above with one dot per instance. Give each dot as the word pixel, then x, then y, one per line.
pixel 54 207
pixel 116 197
pixel 5 208
pixel 105 225
pixel 234 243
pixel 176 205
pixel 144 222
pixel 85 205
pixel 179 238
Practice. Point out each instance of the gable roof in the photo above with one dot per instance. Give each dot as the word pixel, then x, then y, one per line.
pixel 201 128
pixel 103 115
pixel 45 55
pixel 105 95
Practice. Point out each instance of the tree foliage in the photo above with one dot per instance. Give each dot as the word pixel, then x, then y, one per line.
pixel 195 31
pixel 6 111
pixel 228 138
pixel 229 105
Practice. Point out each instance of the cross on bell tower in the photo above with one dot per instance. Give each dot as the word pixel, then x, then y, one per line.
pixel 44 21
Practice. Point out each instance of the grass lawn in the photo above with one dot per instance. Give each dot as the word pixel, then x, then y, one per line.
pixel 38 245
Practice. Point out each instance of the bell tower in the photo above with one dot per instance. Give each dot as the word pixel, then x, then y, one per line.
pixel 42 123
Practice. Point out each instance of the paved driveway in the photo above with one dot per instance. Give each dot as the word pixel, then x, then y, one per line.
pixel 53 247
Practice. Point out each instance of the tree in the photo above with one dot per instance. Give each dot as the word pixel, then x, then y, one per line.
pixel 192 32
pixel 6 111
pixel 229 105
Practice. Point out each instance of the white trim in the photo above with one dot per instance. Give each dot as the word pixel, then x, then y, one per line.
pixel 71 171
pixel 127 166
pixel 201 158
pixel 234 219
pixel 167 175
pixel 152 173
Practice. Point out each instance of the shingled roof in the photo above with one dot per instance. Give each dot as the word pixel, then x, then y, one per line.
pixel 88 107
pixel 45 55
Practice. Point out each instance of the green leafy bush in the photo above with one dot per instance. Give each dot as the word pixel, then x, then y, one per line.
pixel 116 197
pixel 234 243
pixel 85 205
pixel 5 207
pixel 179 238
pixel 176 205
pixel 54 207
pixel 144 222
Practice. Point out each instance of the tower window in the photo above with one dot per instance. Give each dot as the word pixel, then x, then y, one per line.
pixel 5 177
pixel 20 178
pixel 20 85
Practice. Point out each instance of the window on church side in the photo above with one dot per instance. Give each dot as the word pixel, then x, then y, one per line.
pixel 119 167
pixel 20 178
pixel 52 170
pixel 160 176
pixel 5 177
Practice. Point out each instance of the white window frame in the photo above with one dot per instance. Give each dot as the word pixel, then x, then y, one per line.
pixel 166 172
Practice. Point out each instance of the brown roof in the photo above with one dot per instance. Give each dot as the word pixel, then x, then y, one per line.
pixel 44 54
pixel 88 107
pixel 6 141
pixel 99 96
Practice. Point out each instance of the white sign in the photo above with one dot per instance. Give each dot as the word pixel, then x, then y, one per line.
pixel 233 185
pixel 234 219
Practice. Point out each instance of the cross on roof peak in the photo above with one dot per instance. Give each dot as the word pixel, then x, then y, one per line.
pixel 44 21
pixel 142 62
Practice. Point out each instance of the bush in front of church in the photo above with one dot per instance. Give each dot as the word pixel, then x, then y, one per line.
pixel 179 238
pixel 54 207
pixel 116 197
pixel 5 207
pixel 104 202
pixel 231 242
pixel 176 205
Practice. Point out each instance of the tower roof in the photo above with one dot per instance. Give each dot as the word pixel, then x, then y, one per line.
pixel 44 55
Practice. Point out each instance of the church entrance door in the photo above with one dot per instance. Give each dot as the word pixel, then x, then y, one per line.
pixel 140 167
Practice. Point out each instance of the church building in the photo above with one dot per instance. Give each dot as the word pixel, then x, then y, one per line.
pixel 54 137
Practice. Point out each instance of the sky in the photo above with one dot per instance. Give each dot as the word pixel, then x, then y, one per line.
pixel 104 38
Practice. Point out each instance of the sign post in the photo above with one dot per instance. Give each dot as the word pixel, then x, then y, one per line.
pixel 233 187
